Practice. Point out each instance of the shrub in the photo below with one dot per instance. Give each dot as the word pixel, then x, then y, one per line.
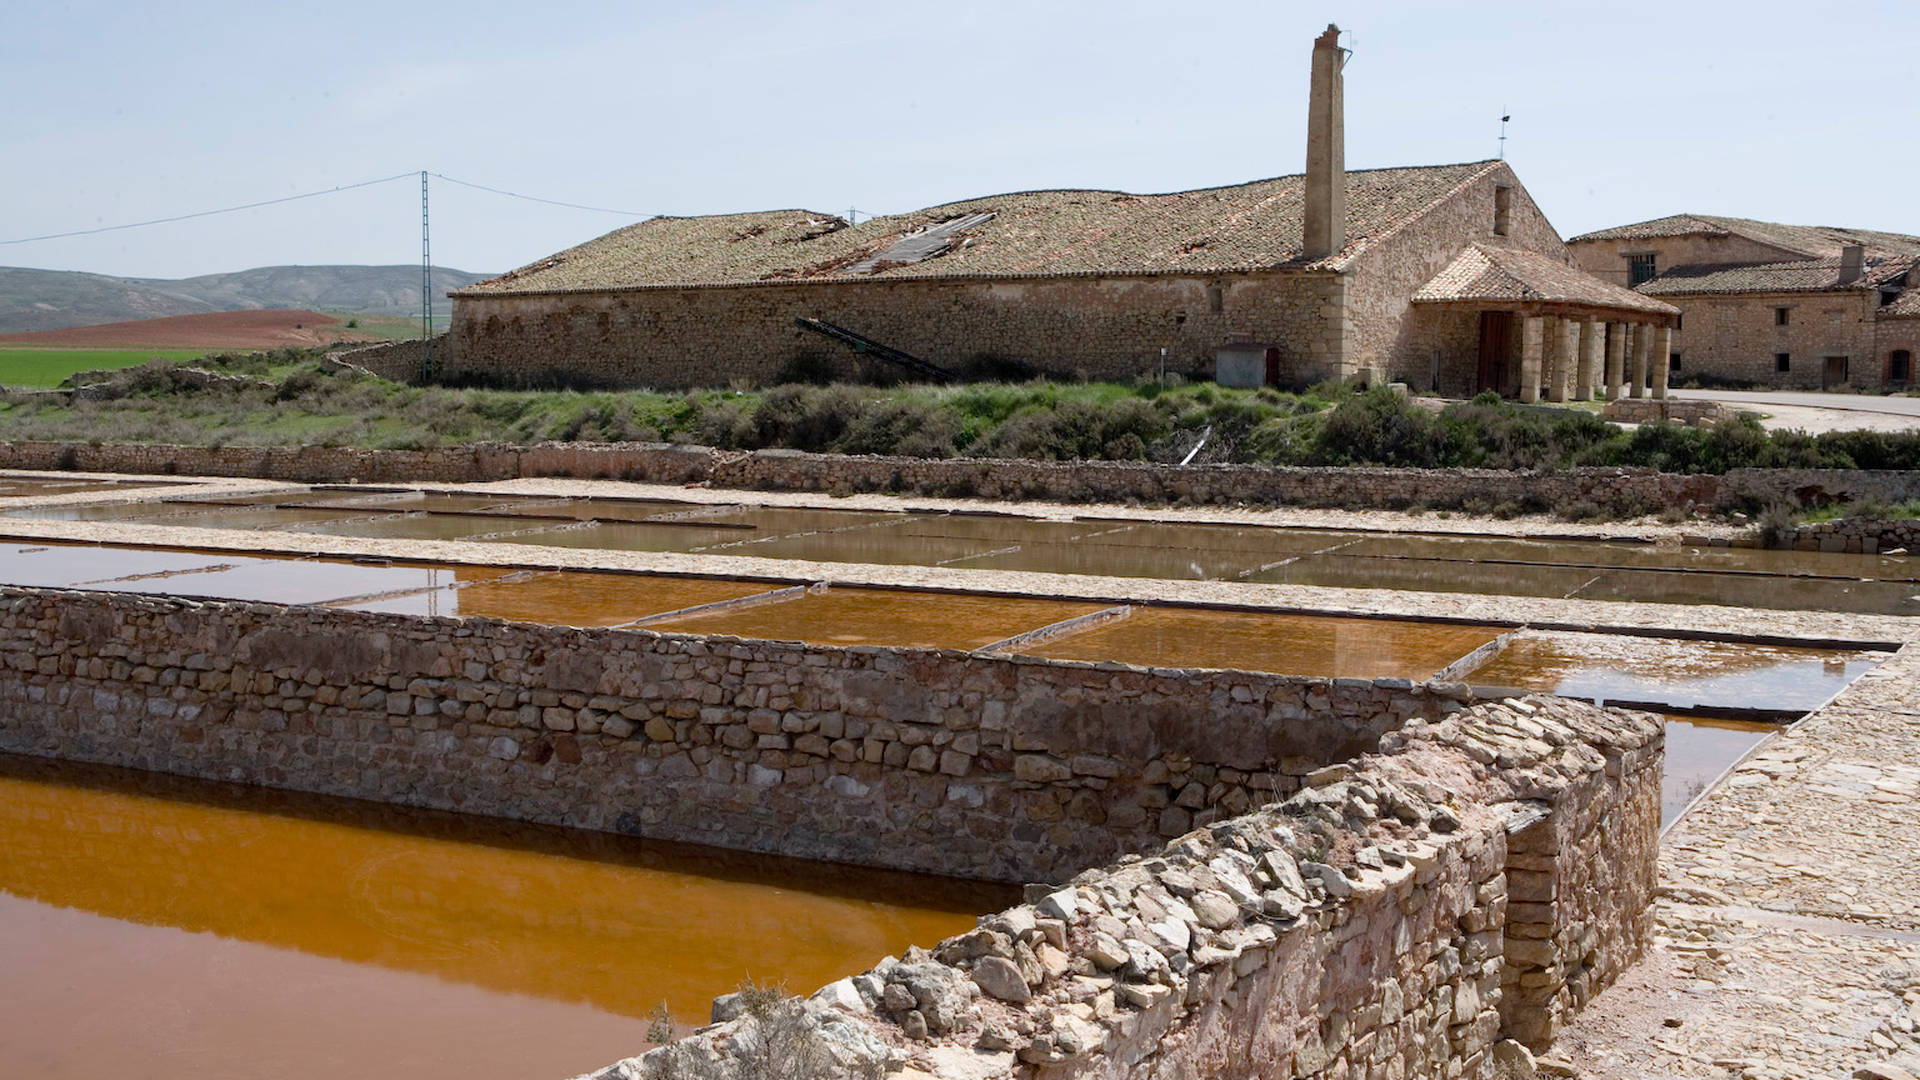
pixel 904 428
pixel 1379 427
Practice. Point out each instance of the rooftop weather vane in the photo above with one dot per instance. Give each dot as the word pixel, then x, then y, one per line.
pixel 1504 117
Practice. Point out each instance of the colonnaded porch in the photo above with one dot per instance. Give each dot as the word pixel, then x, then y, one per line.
pixel 1550 331
pixel 1566 356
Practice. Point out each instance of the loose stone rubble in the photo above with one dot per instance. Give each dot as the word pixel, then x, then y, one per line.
pixel 1411 913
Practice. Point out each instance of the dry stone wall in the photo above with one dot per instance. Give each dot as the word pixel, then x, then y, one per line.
pixel 1425 911
pixel 1870 536
pixel 1013 480
pixel 956 763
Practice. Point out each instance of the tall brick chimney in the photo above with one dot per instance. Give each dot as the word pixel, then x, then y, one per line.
pixel 1853 263
pixel 1326 210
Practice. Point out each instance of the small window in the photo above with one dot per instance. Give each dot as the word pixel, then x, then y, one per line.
pixel 1216 299
pixel 1502 210
pixel 1782 362
pixel 1780 316
pixel 1678 321
pixel 1673 361
pixel 1899 365
pixel 1639 269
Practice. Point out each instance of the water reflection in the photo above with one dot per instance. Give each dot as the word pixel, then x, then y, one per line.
pixel 1678 673
pixel 1259 641
pixel 613 922
pixel 1699 749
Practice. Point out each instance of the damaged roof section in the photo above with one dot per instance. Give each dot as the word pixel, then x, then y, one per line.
pixel 927 242
pixel 1254 226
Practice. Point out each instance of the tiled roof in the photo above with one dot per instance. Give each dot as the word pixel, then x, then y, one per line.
pixel 1907 306
pixel 1036 233
pixel 1812 241
pixel 1483 272
pixel 1803 275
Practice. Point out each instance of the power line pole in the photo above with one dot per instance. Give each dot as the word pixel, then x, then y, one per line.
pixel 426 287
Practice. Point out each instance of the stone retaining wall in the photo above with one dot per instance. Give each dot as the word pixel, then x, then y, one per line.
pixel 1054 481
pixel 1858 535
pixel 399 361
pixel 955 763
pixel 1424 912
pixel 1694 413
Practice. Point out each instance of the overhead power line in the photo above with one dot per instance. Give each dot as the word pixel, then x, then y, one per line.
pixel 210 213
pixel 315 195
pixel 535 198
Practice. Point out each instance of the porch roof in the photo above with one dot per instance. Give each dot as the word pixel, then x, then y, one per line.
pixel 1487 276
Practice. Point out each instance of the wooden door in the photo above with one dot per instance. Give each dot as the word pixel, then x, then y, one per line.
pixel 1833 373
pixel 1496 337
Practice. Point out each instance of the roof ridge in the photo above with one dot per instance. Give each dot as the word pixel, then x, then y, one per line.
pixel 1367 243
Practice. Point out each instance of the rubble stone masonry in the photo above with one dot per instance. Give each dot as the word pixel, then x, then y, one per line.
pixel 1475 882
pixel 964 764
pixel 1110 327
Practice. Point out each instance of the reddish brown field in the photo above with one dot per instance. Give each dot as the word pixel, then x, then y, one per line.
pixel 221 330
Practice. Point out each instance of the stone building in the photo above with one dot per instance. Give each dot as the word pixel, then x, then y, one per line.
pixel 1446 277
pixel 1807 307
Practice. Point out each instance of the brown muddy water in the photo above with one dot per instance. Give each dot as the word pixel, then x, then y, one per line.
pixel 20 487
pixel 164 928
pixel 1672 672
pixel 1586 569
pixel 1699 749
pixel 884 617
pixel 1258 641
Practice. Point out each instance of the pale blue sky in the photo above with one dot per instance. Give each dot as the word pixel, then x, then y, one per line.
pixel 123 112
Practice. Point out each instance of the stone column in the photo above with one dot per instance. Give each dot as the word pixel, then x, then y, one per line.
pixel 1591 331
pixel 1662 360
pixel 1553 364
pixel 1569 357
pixel 1616 358
pixel 1642 347
pixel 1531 333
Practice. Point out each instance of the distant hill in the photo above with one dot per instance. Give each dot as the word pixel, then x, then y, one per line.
pixel 33 300
pixel 256 328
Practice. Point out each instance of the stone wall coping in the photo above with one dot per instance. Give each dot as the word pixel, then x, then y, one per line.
pixel 1145 941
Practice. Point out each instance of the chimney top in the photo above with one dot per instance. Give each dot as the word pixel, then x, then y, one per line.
pixel 1853 259
pixel 1325 214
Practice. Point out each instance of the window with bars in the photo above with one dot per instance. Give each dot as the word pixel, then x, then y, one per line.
pixel 1639 269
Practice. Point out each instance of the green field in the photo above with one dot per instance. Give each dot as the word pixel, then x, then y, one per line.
pixel 28 365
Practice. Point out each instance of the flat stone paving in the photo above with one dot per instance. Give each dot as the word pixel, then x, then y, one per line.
pixel 1789 925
